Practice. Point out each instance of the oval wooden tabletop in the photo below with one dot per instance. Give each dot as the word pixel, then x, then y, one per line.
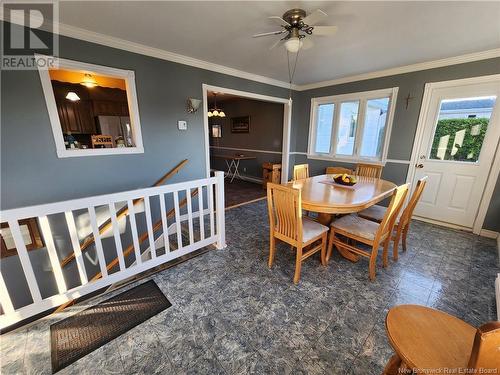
pixel 318 196
pixel 425 338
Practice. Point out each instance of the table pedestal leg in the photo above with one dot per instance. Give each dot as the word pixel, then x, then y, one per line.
pixel 326 219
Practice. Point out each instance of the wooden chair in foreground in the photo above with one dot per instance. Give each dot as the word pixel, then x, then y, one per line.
pixel 437 343
pixel 338 170
pixel 402 225
pixel 287 224
pixel 368 232
pixel 300 171
pixel 369 170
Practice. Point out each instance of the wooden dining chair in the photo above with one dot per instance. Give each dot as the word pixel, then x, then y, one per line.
pixel 402 225
pixel 338 170
pixel 369 170
pixel 368 232
pixel 437 343
pixel 287 224
pixel 300 171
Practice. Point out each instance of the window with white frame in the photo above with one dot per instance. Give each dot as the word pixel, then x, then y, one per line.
pixel 352 127
pixel 93 109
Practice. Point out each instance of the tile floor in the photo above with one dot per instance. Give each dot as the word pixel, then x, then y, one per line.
pixel 232 315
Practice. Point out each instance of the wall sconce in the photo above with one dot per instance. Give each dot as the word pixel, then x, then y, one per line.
pixel 193 105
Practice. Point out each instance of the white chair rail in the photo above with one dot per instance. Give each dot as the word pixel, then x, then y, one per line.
pixel 204 224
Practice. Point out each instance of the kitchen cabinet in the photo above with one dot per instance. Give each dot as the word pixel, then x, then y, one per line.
pixel 76 117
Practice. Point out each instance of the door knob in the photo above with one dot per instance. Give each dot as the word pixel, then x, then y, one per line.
pixel 419 165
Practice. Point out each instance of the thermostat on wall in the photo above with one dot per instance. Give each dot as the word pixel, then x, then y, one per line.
pixel 182 125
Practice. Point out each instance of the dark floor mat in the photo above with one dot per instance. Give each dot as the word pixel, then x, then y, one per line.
pixel 84 332
pixel 239 192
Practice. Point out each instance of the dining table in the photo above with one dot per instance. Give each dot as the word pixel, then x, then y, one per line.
pixel 321 194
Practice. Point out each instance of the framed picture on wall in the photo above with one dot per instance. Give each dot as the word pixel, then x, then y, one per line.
pixel 29 232
pixel 216 131
pixel 240 124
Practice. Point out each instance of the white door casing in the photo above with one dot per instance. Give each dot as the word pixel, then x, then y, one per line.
pixel 455 188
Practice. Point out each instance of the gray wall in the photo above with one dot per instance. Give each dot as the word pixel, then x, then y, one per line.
pixel 405 119
pixel 266 133
pixel 31 173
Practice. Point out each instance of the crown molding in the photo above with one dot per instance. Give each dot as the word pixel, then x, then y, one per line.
pixel 470 57
pixel 109 41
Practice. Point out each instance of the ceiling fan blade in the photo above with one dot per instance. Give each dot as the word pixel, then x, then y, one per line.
pixel 314 17
pixel 275 44
pixel 324 30
pixel 279 20
pixel 307 43
pixel 269 33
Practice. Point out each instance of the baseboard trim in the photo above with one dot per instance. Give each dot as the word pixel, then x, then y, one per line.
pixel 489 233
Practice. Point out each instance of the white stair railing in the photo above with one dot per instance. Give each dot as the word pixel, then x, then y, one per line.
pixel 207 189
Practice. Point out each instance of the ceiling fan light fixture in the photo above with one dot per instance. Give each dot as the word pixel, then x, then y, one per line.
pixel 222 114
pixel 209 114
pixel 293 44
pixel 215 113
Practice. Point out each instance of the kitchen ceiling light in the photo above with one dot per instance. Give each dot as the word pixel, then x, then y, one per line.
pixel 88 81
pixel 72 96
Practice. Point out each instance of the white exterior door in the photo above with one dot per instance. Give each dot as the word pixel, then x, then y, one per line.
pixel 461 128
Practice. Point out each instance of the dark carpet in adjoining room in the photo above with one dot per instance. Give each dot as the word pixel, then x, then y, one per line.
pixel 86 331
pixel 239 191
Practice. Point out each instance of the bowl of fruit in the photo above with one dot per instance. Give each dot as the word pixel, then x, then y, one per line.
pixel 345 179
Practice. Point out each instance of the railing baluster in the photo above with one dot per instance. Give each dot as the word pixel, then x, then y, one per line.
pixel 97 242
pixel 133 228
pixel 210 196
pixel 200 210
pixel 116 235
pixel 80 264
pixel 190 216
pixel 164 223
pixel 7 306
pixel 177 219
pixel 51 249
pixel 221 224
pixel 149 223
pixel 25 261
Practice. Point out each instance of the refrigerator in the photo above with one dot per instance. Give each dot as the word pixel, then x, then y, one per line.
pixel 116 126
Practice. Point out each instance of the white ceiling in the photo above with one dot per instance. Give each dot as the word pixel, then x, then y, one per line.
pixel 372 35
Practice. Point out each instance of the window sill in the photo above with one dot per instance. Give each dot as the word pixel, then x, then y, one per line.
pixel 346 160
pixel 99 152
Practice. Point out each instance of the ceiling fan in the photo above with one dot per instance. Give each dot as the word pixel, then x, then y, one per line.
pixel 299 28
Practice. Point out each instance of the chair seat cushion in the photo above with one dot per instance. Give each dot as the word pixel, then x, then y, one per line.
pixel 374 212
pixel 311 229
pixel 357 226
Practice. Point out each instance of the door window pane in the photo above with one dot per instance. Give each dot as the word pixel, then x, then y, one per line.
pixel 374 127
pixel 324 128
pixel 460 129
pixel 348 123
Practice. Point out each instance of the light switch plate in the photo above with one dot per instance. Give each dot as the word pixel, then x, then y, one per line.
pixel 182 125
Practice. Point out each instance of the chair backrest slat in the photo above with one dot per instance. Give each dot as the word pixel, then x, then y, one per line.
pixel 392 211
pixel 369 170
pixel 485 347
pixel 285 211
pixel 408 211
pixel 300 171
pixel 338 170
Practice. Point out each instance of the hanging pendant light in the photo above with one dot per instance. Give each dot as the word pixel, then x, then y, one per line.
pixel 88 81
pixel 216 112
